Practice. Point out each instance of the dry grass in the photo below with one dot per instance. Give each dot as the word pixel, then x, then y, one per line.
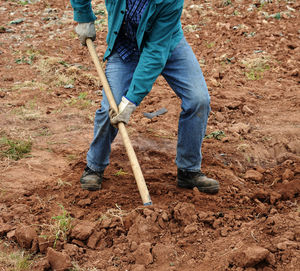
pixel 14 260
pixel 56 72
pixel 255 67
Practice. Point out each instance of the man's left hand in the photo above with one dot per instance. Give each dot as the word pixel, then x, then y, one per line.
pixel 125 110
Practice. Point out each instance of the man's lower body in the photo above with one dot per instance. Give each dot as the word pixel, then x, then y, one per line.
pixel 184 75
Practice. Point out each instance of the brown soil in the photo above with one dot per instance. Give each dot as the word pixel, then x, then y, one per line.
pixel 249 52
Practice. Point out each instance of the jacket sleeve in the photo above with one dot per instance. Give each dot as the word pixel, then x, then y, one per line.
pixel 156 50
pixel 83 12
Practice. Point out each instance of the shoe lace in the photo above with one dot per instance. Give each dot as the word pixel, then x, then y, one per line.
pixel 90 171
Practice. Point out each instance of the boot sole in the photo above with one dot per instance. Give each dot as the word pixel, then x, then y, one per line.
pixel 209 190
pixel 91 187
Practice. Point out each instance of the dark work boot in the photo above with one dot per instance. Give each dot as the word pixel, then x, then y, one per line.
pixel 189 179
pixel 91 180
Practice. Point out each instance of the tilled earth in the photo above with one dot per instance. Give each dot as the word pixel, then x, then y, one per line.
pixel 249 52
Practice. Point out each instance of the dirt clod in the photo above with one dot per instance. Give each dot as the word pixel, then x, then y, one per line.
pixel 25 235
pixel 143 255
pixel 254 175
pixel 249 256
pixel 59 261
pixel 83 230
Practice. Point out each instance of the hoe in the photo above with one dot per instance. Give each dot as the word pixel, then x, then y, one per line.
pixel 121 126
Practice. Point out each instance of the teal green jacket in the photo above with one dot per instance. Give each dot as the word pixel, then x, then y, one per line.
pixel 158 34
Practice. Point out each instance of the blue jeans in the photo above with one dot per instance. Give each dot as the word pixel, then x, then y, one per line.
pixel 184 75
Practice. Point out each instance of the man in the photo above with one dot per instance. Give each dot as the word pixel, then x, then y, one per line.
pixel 145 39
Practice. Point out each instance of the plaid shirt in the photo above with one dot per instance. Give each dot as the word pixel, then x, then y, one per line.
pixel 126 44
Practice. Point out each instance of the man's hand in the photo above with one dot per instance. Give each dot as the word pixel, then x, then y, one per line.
pixel 125 110
pixel 84 31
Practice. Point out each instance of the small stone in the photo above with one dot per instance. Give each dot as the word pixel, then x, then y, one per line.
pixel 219 117
pixel 214 82
pixel 190 229
pixel 260 169
pixel 147 211
pixel 68 86
pixel 261 208
pixel 93 240
pixel 224 232
pixel 11 235
pixel 240 128
pixel 143 254
pixel 287 244
pixel 234 105
pixel 247 110
pixel 84 202
pixel 133 246
pixel 249 256
pixel 254 175
pixel 288 174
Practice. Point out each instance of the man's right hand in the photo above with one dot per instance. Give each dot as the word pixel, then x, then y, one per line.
pixel 84 31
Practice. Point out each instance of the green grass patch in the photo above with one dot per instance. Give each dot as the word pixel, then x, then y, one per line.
pixel 62 225
pixel 256 67
pixel 120 172
pixel 216 135
pixel 25 60
pixel 81 101
pixel 14 149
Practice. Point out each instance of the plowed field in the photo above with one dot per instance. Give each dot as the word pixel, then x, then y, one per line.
pixel 249 52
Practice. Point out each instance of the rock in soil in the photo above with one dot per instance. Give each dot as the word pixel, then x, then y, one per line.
pixel 25 236
pixel 83 230
pixel 59 261
pixel 249 256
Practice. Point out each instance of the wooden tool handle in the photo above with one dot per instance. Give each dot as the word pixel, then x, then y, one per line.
pixel 137 172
